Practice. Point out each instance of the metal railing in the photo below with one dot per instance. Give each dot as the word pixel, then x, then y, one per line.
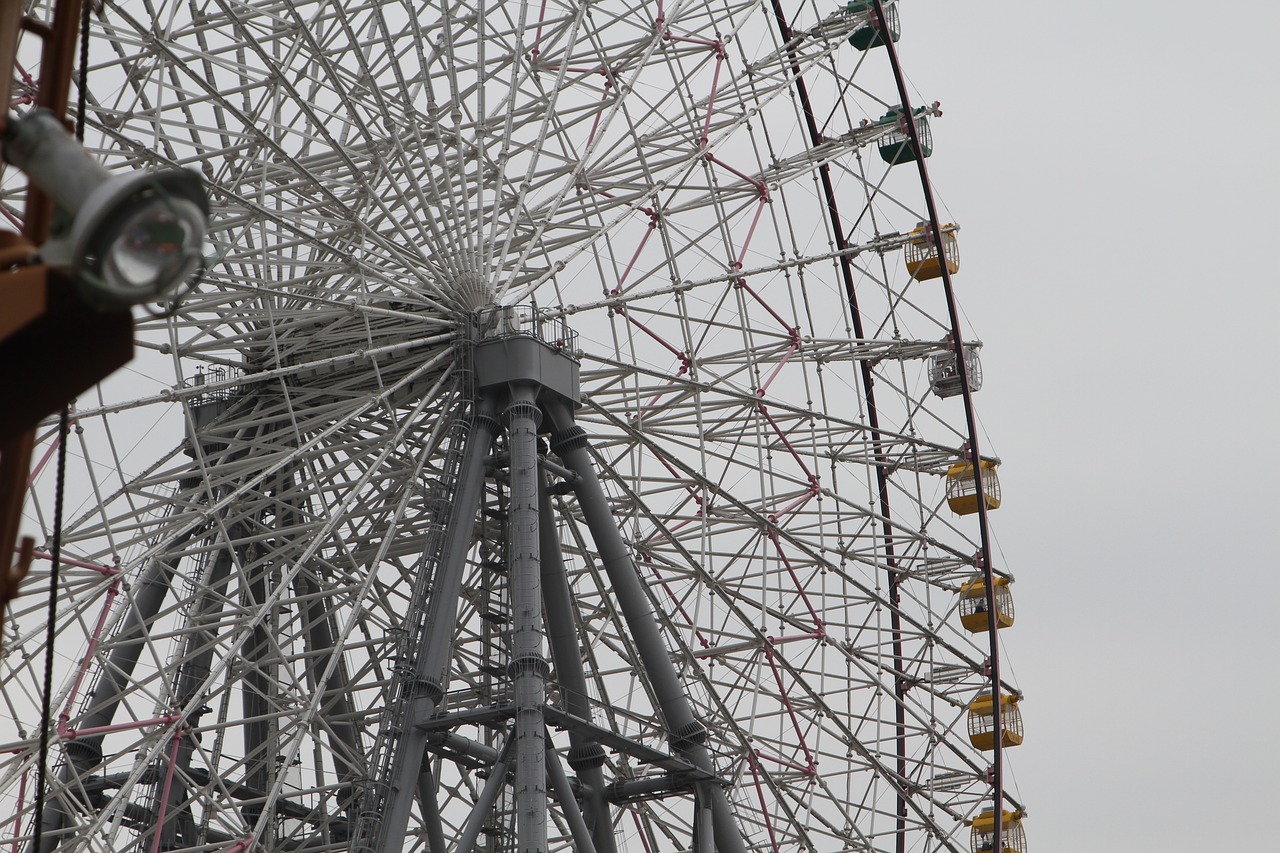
pixel 505 321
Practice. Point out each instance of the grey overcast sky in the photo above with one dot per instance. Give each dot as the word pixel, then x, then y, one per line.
pixel 1112 166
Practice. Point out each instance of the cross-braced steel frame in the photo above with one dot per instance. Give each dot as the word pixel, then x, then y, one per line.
pixel 256 646
pixel 526 386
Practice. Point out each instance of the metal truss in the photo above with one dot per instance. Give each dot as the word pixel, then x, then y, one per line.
pixel 326 587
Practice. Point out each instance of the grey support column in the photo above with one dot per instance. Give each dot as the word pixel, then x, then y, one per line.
pixel 585 757
pixel 85 754
pixel 320 632
pixel 427 793
pixel 261 741
pixel 484 803
pixel 568 803
pixel 528 668
pixel 337 710
pixel 703 821
pixel 687 734
pixel 429 683
pixel 196 657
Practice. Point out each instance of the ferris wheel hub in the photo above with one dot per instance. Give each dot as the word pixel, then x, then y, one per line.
pixel 470 289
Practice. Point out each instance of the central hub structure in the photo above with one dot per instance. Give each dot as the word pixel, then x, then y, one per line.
pixel 517 347
pixel 526 385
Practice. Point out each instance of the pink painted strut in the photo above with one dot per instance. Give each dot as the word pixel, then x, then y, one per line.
pixel 754 764
pixel 653 223
pixel 794 505
pixel 22 795
pixel 693 493
pixel 644 838
pixel 168 784
pixel 642 327
pixel 604 99
pixel 764 410
pixel 537 36
pixel 653 401
pixel 671 593
pixel 711 100
pixel 814 483
pixel 105 571
pixel 773 374
pixel 707 43
pixel 783 693
pixel 751 232
pixel 68 733
pixel 790 329
pixel 759 185
pixel 804 596
pixel 44 460
pixel 112 592
pixel 782 762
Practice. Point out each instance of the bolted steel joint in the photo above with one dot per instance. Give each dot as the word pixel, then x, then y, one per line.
pixel 528 664
pixel 487 419
pixel 83 751
pixel 586 756
pixel 523 409
pixel 573 438
pixel 430 688
pixel 687 736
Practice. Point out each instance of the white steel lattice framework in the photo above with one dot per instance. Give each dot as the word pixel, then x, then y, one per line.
pixel 259 509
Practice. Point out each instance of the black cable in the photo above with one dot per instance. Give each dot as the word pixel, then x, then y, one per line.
pixel 82 84
pixel 55 562
pixel 46 711
pixel 974 457
pixel 882 465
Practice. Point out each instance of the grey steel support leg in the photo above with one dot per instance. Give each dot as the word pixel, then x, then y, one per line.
pixel 687 734
pixel 257 697
pixel 568 803
pixel 196 656
pixel 528 668
pixel 84 754
pixel 484 803
pixel 428 685
pixel 703 822
pixel 319 631
pixel 585 757
pixel 349 756
pixel 427 793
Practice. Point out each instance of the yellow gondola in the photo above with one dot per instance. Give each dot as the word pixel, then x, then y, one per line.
pixel 1012 838
pixel 982 722
pixel 921 253
pixel 973 604
pixel 962 492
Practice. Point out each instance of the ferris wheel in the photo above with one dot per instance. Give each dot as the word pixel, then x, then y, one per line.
pixel 560 450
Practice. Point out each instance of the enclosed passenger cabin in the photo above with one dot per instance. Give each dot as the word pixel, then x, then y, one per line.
pixel 982 722
pixel 895 147
pixel 921 252
pixel 962 487
pixel 869 36
pixel 974 615
pixel 1012 838
pixel 944 373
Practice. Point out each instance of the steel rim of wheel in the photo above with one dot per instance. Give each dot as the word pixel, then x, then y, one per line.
pixel 650 183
